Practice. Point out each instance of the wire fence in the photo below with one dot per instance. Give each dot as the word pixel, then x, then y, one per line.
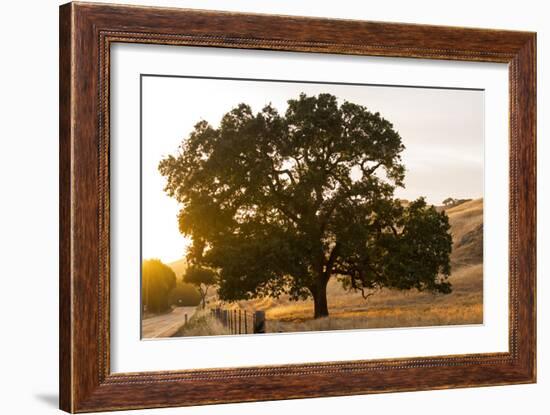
pixel 239 321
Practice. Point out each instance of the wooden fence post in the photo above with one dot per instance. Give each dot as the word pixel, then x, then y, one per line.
pixel 240 321
pixel 259 322
pixel 186 319
pixel 245 325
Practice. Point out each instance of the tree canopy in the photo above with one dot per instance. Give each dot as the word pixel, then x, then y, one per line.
pixel 202 278
pixel 282 203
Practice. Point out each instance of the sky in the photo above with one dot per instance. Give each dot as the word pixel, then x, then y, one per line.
pixel 442 130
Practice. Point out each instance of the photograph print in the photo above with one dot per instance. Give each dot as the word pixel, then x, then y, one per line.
pixel 277 206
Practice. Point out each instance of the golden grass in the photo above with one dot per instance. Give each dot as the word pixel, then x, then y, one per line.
pixel 465 217
pixel 387 308
pixel 202 324
pixel 466 222
pixel 385 318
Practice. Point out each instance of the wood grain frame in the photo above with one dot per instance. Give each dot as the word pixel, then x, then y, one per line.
pixel 86 33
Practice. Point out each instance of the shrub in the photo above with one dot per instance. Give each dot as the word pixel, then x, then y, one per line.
pixel 185 294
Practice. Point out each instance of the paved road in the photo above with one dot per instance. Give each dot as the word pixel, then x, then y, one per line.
pixel 167 324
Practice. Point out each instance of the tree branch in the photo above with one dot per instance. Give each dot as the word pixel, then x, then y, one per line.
pixel 281 206
pixel 361 288
pixel 370 171
pixel 366 296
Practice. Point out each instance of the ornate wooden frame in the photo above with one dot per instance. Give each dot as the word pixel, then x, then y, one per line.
pixel 86 33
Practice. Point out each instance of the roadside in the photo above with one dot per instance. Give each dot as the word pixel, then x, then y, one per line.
pixel 202 324
pixel 165 325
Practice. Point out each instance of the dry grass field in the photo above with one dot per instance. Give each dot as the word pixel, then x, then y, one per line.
pixel 388 308
pixel 202 324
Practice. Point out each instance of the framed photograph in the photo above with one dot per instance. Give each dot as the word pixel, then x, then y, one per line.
pixel 258 207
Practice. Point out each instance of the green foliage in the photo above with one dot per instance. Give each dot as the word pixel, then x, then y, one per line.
pixel 202 278
pixel 158 280
pixel 198 276
pixel 449 201
pixel 282 203
pixel 185 295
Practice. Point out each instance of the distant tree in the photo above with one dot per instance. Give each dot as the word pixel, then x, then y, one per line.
pixel 449 201
pixel 202 278
pixel 158 280
pixel 185 295
pixel 283 203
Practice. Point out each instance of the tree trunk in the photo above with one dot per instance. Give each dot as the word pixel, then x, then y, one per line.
pixel 203 292
pixel 203 298
pixel 320 305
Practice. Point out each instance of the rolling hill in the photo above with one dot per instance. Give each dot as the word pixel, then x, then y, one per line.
pixel 178 267
pixel 466 221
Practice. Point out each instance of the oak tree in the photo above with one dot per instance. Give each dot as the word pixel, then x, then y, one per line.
pixel 282 203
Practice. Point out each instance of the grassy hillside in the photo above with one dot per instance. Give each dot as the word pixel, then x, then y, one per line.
pixel 390 308
pixel 466 222
pixel 178 267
